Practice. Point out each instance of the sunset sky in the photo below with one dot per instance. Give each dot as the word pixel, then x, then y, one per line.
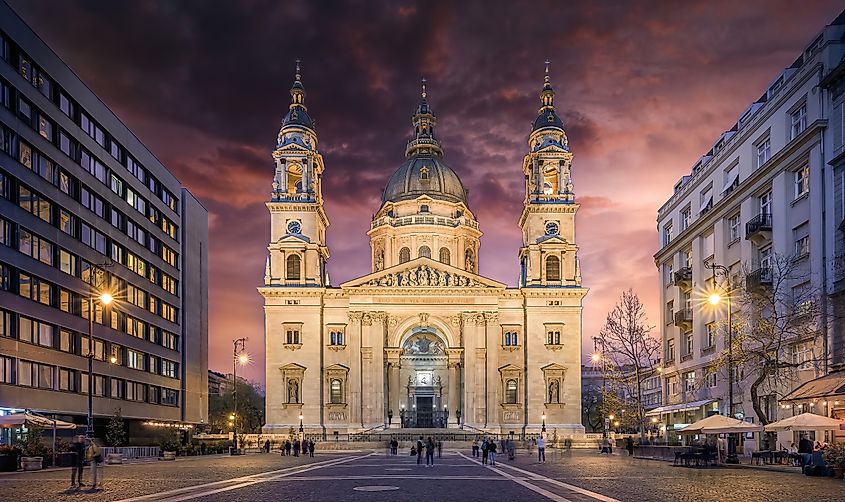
pixel 644 89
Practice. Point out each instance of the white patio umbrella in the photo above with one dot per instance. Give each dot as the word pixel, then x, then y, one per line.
pixel 720 424
pixel 806 422
pixel 28 419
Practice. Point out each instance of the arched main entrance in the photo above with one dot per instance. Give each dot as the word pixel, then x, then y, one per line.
pixel 425 376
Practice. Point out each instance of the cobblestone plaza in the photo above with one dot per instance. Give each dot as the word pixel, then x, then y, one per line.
pixel 582 475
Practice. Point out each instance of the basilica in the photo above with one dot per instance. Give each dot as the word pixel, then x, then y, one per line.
pixel 422 340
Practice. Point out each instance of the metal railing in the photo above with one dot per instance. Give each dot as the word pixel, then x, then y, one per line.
pixel 758 279
pixel 761 222
pixel 683 276
pixel 683 316
pixel 130 452
pixel 423 220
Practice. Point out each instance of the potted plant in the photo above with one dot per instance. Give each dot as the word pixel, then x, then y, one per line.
pixel 834 456
pixel 116 437
pixel 169 445
pixel 65 455
pixel 9 458
pixel 34 450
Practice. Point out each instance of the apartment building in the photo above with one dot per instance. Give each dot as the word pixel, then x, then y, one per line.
pixel 86 208
pixel 763 192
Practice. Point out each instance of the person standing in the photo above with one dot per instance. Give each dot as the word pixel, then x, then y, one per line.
pixel 629 445
pixel 475 447
pixel 484 451
pixel 420 448
pixel 296 446
pixel 287 447
pixel 78 462
pixel 429 452
pixel 439 449
pixel 491 452
pixel 93 455
pixel 267 446
pixel 311 448
pixel 541 449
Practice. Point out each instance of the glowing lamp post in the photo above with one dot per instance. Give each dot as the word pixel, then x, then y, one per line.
pixel 239 356
pixel 104 299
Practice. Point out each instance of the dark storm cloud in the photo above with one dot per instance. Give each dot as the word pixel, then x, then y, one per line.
pixel 644 89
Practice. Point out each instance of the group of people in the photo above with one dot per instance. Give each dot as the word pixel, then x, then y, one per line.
pixel 306 446
pixel 86 452
pixel 393 446
pixel 806 450
pixel 487 449
pixel 429 446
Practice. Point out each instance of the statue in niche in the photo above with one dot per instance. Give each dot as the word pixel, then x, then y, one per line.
pixel 554 392
pixel 567 178
pixel 293 391
pixel 379 259
pixel 470 262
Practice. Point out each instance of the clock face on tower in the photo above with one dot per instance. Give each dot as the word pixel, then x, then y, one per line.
pixel 552 228
pixel 294 227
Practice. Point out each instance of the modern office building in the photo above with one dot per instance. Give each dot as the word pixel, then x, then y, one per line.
pixel 86 208
pixel 759 201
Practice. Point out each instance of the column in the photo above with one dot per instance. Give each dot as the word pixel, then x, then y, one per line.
pixel 454 392
pixel 394 391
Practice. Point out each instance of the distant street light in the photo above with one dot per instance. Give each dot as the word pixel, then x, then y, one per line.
pixel 238 357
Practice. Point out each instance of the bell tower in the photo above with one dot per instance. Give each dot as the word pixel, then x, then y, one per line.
pixel 548 253
pixel 297 250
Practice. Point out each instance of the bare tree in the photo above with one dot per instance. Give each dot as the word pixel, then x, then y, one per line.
pixel 775 311
pixel 629 352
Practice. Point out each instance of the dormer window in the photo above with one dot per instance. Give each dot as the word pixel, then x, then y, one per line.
pixel 423 173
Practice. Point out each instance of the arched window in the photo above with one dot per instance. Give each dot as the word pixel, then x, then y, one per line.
pixel 294 179
pixel 404 255
pixel 425 252
pixel 510 392
pixel 445 256
pixel 293 267
pixel 336 392
pixel 552 268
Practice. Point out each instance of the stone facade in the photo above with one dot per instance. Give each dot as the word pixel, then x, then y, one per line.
pixel 422 340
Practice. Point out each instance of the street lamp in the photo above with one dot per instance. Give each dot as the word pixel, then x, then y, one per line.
pixel 104 299
pixel 715 299
pixel 300 424
pixel 544 423
pixel 239 356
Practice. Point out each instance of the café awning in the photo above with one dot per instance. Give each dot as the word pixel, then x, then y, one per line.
pixel 674 408
pixel 823 387
pixel 806 422
pixel 719 424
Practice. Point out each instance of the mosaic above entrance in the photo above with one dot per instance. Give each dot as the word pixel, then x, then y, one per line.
pixel 423 344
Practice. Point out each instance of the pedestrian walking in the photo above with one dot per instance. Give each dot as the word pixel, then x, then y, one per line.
pixel 439 449
pixel 95 456
pixel 429 452
pixel 484 451
pixel 78 462
pixel 491 452
pixel 311 448
pixel 420 448
pixel 541 449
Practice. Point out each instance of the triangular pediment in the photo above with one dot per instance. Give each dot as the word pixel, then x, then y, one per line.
pixel 293 367
pixel 556 238
pixel 553 367
pixel 294 238
pixel 422 273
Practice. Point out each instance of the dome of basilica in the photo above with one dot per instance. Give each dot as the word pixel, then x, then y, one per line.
pixel 423 174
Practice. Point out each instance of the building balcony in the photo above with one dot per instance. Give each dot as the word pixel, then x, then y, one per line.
pixel 758 280
pixel 683 278
pixel 282 196
pixel 759 229
pixel 683 318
